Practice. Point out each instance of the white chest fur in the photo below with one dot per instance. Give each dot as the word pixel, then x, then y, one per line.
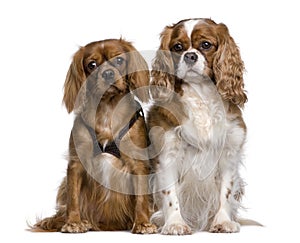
pixel 202 156
pixel 206 121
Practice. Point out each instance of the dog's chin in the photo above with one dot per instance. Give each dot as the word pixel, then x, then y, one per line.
pixel 189 74
pixel 112 88
pixel 116 88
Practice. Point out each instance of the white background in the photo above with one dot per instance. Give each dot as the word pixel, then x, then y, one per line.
pixel 38 39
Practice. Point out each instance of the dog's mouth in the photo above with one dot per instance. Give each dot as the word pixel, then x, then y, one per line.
pixel 99 87
pixel 114 86
pixel 110 82
pixel 190 72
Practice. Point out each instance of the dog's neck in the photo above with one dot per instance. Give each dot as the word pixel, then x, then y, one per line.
pixel 108 115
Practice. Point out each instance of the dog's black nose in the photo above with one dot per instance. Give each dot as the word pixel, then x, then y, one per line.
pixel 190 57
pixel 108 75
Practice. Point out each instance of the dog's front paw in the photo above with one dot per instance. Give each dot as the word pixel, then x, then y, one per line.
pixel 176 229
pixel 144 228
pixel 78 227
pixel 225 227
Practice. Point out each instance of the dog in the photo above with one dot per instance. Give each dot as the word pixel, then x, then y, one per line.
pixel 106 186
pixel 197 128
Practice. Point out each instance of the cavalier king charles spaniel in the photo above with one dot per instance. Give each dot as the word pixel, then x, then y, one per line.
pixel 106 186
pixel 197 129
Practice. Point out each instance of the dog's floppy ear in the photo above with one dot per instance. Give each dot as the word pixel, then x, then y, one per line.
pixel 74 80
pixel 163 65
pixel 228 68
pixel 163 69
pixel 138 75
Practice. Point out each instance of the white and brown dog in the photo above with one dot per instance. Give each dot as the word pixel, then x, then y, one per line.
pixel 198 93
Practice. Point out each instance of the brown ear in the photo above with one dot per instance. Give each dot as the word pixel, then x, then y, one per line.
pixel 228 68
pixel 74 80
pixel 137 72
pixel 163 67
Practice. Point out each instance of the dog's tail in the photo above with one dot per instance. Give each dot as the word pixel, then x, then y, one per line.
pixel 50 224
pixel 249 222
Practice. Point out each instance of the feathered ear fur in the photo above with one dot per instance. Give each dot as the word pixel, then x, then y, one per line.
pixel 163 67
pixel 137 72
pixel 74 80
pixel 228 68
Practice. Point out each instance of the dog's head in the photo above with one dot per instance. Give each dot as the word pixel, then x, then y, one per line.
pixel 196 47
pixel 111 66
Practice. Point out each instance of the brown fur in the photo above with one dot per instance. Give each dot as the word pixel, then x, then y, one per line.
pixel 224 64
pixel 83 202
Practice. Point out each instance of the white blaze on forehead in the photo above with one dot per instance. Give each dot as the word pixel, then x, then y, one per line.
pixel 190 24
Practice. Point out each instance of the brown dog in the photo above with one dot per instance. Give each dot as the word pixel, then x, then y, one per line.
pixel 106 187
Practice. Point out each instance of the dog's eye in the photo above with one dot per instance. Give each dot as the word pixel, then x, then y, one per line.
pixel 92 65
pixel 178 47
pixel 119 61
pixel 205 45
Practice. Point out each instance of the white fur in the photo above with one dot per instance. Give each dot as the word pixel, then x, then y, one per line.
pixel 190 24
pixel 199 165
